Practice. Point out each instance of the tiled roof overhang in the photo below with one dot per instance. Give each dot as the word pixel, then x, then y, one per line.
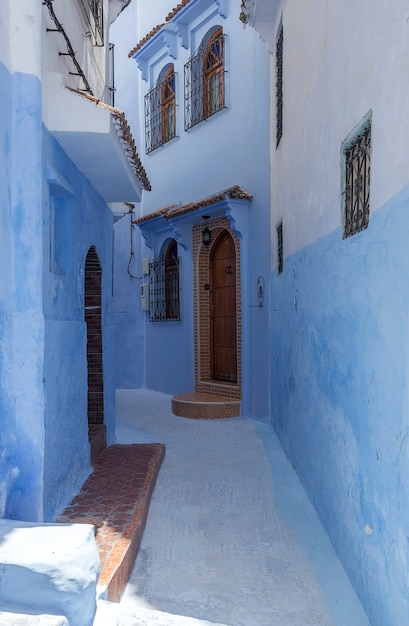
pixel 176 22
pixel 99 141
pixel 231 203
pixel 174 211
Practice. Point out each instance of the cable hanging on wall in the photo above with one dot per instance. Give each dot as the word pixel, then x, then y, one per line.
pixel 132 253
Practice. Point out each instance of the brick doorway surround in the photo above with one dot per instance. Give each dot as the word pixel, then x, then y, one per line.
pixel 93 319
pixel 202 254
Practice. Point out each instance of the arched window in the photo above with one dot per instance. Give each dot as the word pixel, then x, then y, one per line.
pixel 204 79
pixel 164 285
pixel 172 281
pixel 160 111
pixel 213 75
pixel 168 106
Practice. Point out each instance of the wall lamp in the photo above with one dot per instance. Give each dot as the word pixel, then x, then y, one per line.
pixel 206 233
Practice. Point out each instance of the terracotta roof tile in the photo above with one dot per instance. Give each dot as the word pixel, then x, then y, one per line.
pixel 145 39
pixel 169 212
pixel 154 30
pixel 125 134
pixel 234 193
pixel 176 10
pixel 155 214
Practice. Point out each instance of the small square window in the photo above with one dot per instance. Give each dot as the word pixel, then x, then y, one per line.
pixel 357 168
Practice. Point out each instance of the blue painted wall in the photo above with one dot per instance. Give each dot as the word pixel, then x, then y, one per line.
pixel 22 328
pixel 230 148
pixel 127 317
pixel 340 401
pixel 50 216
pixel 75 218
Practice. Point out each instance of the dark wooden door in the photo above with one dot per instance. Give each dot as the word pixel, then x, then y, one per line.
pixel 223 311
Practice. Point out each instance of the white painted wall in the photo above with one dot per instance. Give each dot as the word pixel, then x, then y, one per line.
pixel 340 61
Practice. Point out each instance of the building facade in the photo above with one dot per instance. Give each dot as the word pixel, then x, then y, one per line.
pixel 59 146
pixel 201 82
pixel 339 331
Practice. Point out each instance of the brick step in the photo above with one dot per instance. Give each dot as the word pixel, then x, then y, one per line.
pixel 199 405
pixel 115 499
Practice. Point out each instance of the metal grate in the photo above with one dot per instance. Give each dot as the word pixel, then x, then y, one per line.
pixel 97 12
pixel 204 82
pixel 160 113
pixel 279 85
pixel 357 178
pixel 164 289
pixel 280 251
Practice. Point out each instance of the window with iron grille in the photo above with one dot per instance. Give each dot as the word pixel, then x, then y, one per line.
pixel 97 13
pixel 357 166
pixel 160 112
pixel 280 251
pixel 164 286
pixel 279 84
pixel 204 81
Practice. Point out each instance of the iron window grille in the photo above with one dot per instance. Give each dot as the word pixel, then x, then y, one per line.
pixel 204 81
pixel 160 113
pixel 279 85
pixel 96 7
pixel 357 159
pixel 280 250
pixel 164 298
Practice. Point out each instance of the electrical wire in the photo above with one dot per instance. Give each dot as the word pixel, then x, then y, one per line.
pixel 132 254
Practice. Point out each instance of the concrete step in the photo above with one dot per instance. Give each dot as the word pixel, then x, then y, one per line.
pixel 22 619
pixel 109 614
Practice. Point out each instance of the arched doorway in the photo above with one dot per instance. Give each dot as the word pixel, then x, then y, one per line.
pixel 93 319
pixel 223 317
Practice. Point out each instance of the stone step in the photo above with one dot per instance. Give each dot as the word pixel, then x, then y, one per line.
pixel 22 619
pixel 109 614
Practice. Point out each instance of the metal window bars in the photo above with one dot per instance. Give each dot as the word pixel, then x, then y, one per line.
pixel 164 301
pixel 357 179
pixel 280 248
pixel 160 113
pixel 279 85
pixel 96 8
pixel 204 82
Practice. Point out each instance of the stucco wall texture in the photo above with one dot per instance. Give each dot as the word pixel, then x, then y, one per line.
pixel 339 330
pixel 49 211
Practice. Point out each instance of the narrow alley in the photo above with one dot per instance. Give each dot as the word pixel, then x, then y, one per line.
pixel 231 537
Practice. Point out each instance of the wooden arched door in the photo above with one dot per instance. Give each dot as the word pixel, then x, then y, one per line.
pixel 223 313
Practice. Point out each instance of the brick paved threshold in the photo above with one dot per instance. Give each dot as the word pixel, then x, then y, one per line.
pixel 115 499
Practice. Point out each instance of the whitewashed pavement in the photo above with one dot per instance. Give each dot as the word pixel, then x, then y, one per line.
pixel 231 537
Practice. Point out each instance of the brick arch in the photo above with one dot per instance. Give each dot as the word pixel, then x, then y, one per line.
pixel 203 255
pixel 93 319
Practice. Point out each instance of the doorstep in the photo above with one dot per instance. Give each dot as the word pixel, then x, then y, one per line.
pixel 115 499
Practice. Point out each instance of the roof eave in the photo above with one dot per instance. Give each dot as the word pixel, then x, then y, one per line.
pixel 95 139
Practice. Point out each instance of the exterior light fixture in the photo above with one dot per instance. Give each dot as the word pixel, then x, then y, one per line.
pixel 206 233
